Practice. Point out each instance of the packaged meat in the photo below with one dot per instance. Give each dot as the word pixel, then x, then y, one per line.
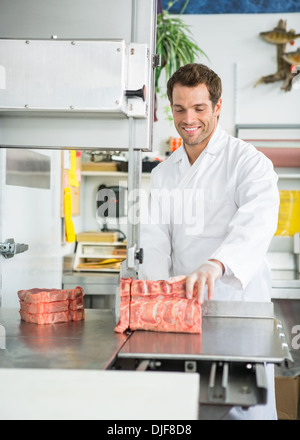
pixel 157 306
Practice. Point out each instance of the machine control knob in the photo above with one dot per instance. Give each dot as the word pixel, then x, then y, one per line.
pixel 139 255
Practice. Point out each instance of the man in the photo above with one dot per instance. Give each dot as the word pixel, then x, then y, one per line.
pixel 213 206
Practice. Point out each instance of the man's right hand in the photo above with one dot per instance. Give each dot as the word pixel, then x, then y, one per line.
pixel 207 273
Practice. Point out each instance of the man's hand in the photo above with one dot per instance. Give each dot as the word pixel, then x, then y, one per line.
pixel 207 273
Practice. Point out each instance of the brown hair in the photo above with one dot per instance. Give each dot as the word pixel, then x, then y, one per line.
pixel 191 75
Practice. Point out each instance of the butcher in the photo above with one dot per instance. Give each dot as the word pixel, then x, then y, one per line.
pixel 212 209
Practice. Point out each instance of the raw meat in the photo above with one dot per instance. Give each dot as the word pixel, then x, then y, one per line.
pixel 35 296
pixel 76 293
pixel 157 306
pixel 48 306
pixel 76 315
pixel 45 318
pixel 51 307
pixel 125 285
pixel 75 304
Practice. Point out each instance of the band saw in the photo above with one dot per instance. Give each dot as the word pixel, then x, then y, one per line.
pixel 238 340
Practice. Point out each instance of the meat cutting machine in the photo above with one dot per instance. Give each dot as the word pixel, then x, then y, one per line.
pixel 238 340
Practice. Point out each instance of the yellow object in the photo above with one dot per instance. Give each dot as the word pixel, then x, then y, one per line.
pixel 289 213
pixel 73 181
pixel 69 225
pixel 109 261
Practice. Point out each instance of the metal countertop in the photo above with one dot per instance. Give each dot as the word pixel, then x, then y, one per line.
pixel 233 331
pixel 88 344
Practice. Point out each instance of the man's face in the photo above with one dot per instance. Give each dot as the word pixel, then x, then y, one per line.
pixel 193 114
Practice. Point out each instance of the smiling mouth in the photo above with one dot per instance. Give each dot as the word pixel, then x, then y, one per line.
pixel 191 129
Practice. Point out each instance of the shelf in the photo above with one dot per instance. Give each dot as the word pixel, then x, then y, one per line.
pixel 97 270
pixel 110 174
pixel 288 172
pixel 281 175
pixel 86 261
pixel 288 176
pixel 103 243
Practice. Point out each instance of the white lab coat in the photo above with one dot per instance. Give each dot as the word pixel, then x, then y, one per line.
pixel 228 201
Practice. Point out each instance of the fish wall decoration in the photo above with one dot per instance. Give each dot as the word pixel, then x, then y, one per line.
pixel 279 36
pixel 286 61
pixel 292 57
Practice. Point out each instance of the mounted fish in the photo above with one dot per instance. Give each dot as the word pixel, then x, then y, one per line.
pixel 292 57
pixel 280 37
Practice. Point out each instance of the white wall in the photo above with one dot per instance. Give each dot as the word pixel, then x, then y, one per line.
pixel 240 57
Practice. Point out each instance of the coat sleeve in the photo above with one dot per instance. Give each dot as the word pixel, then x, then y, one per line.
pixel 155 237
pixel 254 224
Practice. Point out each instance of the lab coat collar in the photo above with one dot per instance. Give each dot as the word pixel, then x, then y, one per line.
pixel 214 146
pixel 216 143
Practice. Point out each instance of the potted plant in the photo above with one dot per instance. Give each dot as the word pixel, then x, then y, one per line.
pixel 174 43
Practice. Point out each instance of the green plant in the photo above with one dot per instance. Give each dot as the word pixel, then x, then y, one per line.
pixel 174 42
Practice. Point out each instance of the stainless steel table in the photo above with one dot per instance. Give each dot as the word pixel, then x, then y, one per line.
pixel 88 344
pixel 237 340
pixel 51 372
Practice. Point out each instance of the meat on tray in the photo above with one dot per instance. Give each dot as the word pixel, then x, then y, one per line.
pixel 157 306
pixel 48 306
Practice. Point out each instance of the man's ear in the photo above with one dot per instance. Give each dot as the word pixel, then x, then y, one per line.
pixel 218 107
